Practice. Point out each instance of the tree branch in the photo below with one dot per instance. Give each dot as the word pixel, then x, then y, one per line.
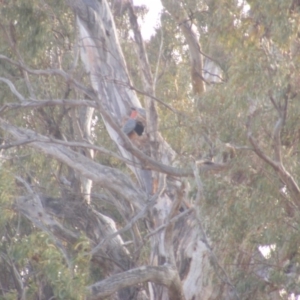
pixel 107 177
pixel 163 275
pixel 90 146
pixel 51 72
pixel 133 220
pixel 150 163
pixel 17 144
pixel 13 88
pixel 276 164
pixel 152 116
pixel 43 103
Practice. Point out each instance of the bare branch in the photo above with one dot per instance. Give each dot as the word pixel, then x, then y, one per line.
pixel 163 275
pixel 31 206
pixel 262 154
pixel 141 92
pixel 32 209
pixel 44 103
pixel 133 220
pixel 213 75
pixel 51 72
pixel 173 220
pixel 13 88
pixel 277 140
pixel 86 91
pixel 14 48
pixel 279 168
pixel 90 146
pixel 150 163
pixel 108 177
pixel 157 100
pixel 273 102
pixel 17 144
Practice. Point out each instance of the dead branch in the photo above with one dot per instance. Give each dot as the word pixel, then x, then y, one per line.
pixel 90 146
pixel 108 177
pixel 13 89
pixel 163 275
pixel 51 72
pixel 133 220
pixel 31 207
pixel 43 103
pixel 144 93
pixel 150 163
pixel 17 144
pixel 82 217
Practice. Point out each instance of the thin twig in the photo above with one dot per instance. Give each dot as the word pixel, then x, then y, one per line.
pixel 43 103
pixel 173 220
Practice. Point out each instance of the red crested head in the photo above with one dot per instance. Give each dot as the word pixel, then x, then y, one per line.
pixel 133 114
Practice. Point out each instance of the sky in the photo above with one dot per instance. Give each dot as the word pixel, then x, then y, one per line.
pixel 151 19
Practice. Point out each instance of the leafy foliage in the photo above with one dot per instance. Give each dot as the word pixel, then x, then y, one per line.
pixel 256 47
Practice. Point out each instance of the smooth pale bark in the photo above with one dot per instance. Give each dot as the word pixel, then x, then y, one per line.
pixel 104 61
pixel 84 124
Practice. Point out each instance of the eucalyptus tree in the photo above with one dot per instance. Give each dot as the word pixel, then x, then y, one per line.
pixel 200 202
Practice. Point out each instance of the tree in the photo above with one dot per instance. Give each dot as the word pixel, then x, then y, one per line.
pixel 181 208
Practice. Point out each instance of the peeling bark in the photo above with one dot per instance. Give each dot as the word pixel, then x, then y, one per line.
pixel 105 63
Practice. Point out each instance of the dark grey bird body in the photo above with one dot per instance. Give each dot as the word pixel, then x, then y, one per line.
pixel 129 126
pixel 134 123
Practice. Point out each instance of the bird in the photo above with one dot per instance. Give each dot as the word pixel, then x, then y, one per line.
pixel 141 113
pixel 135 123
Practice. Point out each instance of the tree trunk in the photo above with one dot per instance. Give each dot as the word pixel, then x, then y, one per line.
pixel 103 58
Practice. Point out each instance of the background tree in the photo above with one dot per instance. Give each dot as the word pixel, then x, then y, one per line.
pixel 203 205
